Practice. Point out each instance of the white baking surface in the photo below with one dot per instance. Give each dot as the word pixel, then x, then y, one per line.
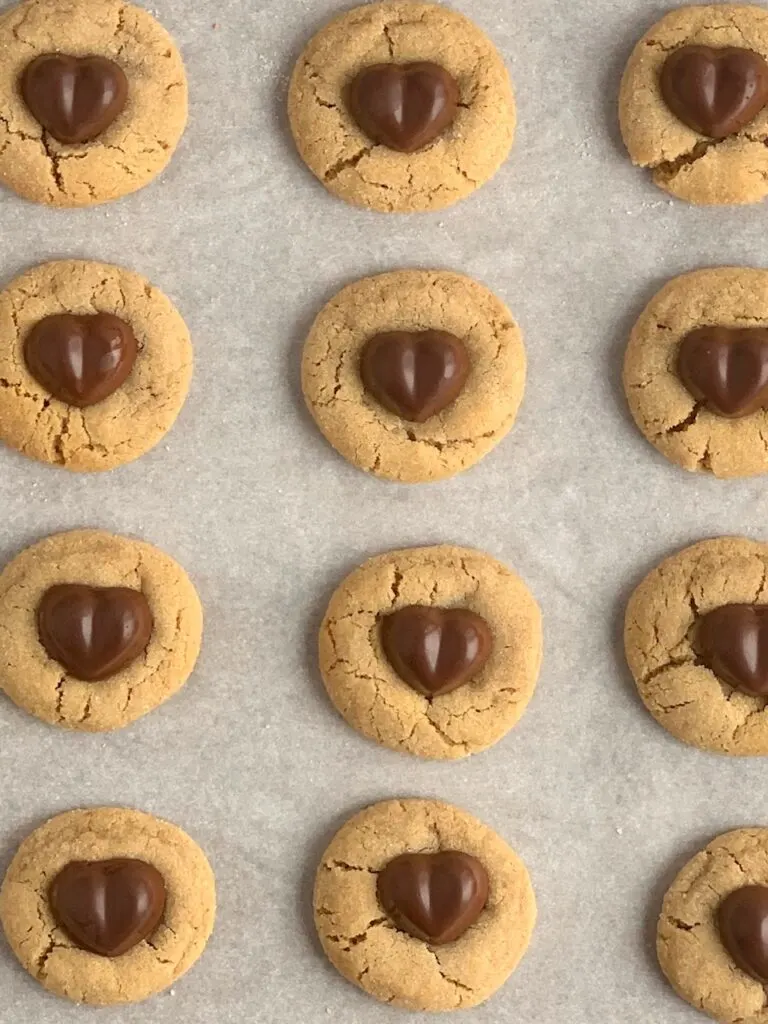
pixel 251 758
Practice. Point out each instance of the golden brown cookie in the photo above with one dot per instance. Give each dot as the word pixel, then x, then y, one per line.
pixel 362 941
pixel 138 143
pixel 677 422
pixel 689 943
pixel 51 955
pixel 680 683
pixel 685 162
pixel 373 437
pixel 349 162
pixel 138 414
pixel 374 699
pixel 42 685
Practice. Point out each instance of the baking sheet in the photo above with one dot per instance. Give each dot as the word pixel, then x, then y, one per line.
pixel 250 758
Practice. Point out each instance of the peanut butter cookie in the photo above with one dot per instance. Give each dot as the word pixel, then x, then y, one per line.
pixel 93 97
pixel 97 630
pixel 711 937
pixel 95 365
pixel 693 103
pixel 112 878
pixel 434 651
pixel 696 637
pixel 402 106
pixel 423 906
pixel 414 375
pixel 696 371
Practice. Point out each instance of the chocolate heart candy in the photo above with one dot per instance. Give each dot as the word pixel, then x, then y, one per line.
pixel 743 920
pixel 108 906
pixel 715 91
pixel 81 360
pixel 404 106
pixel 436 650
pixel 94 632
pixel 74 98
pixel 435 897
pixel 734 644
pixel 726 368
pixel 414 375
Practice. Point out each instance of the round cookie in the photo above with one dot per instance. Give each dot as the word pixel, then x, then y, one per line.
pixel 375 700
pixel 363 943
pixel 683 428
pixel 42 686
pixel 138 414
pixel 689 946
pixel 50 954
pixel 139 142
pixel 347 161
pixel 376 439
pixel 664 651
pixel 684 162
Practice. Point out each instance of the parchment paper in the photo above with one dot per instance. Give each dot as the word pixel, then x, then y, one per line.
pixel 251 758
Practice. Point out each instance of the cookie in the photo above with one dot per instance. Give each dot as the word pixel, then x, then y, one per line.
pixel 373 949
pixel 693 103
pixel 696 637
pixel 710 938
pixel 414 76
pixel 63 654
pixel 94 100
pixel 410 331
pixel 80 393
pixel 37 898
pixel 461 698
pixel 696 371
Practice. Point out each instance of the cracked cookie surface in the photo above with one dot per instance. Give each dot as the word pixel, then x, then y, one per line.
pixel 380 442
pixel 141 141
pixel 371 696
pixel 127 423
pixel 688 942
pixel 679 690
pixel 669 416
pixel 347 162
pixel 103 833
pixel 684 163
pixel 95 558
pixel 364 945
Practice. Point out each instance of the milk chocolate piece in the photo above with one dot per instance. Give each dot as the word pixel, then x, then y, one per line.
pixel 404 106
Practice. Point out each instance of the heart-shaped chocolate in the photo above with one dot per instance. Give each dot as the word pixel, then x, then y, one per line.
pixel 436 650
pixel 715 91
pixel 435 897
pixel 81 360
pixel 108 906
pixel 75 99
pixel 734 644
pixel 726 368
pixel 404 106
pixel 414 374
pixel 94 632
pixel 743 920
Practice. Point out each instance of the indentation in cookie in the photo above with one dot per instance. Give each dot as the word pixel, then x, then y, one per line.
pixel 414 374
pixel 726 368
pixel 717 92
pixel 81 360
pixel 75 99
pixel 743 920
pixel 109 906
pixel 436 897
pixel 94 632
pixel 436 650
pixel 404 106
pixel 734 644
